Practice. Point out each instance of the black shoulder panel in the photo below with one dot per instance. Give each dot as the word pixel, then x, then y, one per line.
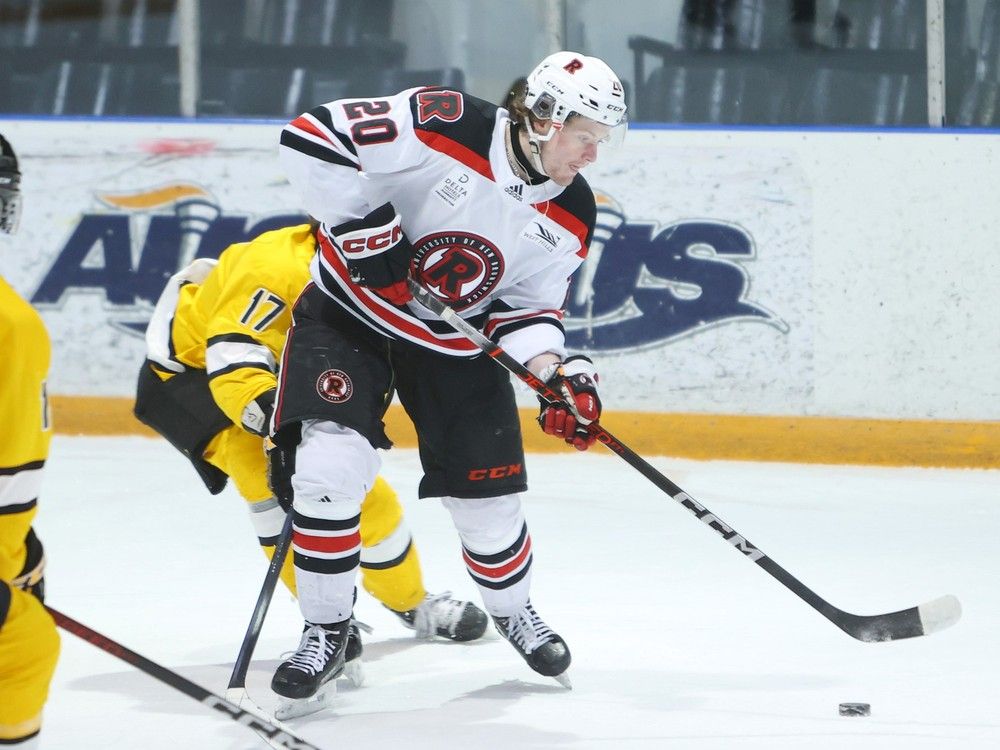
pixel 578 199
pixel 460 117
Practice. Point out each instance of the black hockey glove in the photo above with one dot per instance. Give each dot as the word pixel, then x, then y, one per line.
pixel 377 253
pixel 576 379
pixel 280 467
pixel 32 575
pixel 280 450
pixel 256 417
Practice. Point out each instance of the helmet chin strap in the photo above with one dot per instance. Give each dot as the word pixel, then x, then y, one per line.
pixel 535 141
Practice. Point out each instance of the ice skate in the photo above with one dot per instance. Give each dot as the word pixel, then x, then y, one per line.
pixel 293 708
pixel 353 667
pixel 439 614
pixel 306 681
pixel 545 651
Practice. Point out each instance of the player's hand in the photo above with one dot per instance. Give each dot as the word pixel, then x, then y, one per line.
pixel 576 380
pixel 256 417
pixel 377 253
pixel 280 467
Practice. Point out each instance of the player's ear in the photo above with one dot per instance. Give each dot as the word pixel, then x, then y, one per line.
pixel 541 126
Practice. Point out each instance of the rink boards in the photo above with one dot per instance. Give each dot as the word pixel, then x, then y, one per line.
pixel 823 440
pixel 778 294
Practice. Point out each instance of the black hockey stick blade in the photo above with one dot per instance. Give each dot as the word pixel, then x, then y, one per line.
pixel 908 623
pixel 276 736
pixel 925 619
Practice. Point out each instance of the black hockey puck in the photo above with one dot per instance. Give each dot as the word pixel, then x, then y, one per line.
pixel 855 709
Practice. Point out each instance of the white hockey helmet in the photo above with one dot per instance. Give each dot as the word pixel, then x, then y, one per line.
pixel 566 82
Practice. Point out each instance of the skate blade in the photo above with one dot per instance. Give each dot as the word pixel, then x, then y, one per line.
pixel 354 671
pixel 239 697
pixel 293 709
pixel 563 679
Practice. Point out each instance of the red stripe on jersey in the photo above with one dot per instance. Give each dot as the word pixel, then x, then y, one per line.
pixel 383 313
pixel 309 543
pixel 494 322
pixel 457 151
pixel 303 123
pixel 565 219
pixel 503 570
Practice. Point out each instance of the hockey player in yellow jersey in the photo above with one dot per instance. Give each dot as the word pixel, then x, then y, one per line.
pixel 213 347
pixel 29 644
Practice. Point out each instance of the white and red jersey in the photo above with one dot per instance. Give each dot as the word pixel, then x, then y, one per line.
pixel 499 250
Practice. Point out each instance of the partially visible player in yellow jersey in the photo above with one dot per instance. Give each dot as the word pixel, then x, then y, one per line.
pixel 29 644
pixel 213 346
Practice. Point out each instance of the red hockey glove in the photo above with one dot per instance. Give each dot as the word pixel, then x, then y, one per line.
pixel 576 379
pixel 377 253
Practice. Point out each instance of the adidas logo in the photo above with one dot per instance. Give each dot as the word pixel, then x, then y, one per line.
pixel 325 499
pixel 515 191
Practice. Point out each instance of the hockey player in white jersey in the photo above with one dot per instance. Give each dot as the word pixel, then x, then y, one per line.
pixel 488 210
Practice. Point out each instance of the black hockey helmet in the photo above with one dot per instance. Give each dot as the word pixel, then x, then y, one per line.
pixel 10 189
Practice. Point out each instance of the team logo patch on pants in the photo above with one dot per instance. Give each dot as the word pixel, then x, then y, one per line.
pixel 335 386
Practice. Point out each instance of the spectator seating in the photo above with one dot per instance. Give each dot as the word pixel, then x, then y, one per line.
pixel 759 62
pixel 259 58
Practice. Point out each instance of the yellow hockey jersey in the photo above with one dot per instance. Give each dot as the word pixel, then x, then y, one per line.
pixel 24 408
pixel 233 322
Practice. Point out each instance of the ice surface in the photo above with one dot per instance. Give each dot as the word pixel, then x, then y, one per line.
pixel 678 640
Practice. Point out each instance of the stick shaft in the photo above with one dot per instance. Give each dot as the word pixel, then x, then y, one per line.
pixel 275 734
pixel 239 675
pixel 893 626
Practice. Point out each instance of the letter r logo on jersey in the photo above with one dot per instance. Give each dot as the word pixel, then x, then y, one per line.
pixel 573 65
pixel 441 105
pixel 454 268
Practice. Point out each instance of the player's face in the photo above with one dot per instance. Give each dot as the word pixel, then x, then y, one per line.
pixel 572 148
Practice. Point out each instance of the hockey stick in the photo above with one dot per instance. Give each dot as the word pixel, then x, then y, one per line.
pixel 907 623
pixel 236 691
pixel 276 736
